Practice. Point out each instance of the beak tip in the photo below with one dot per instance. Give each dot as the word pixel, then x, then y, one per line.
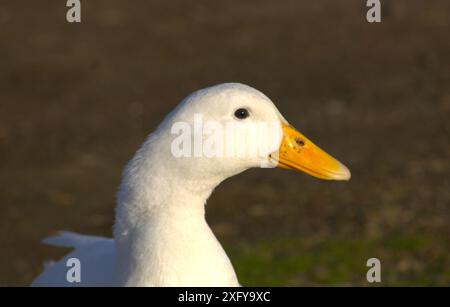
pixel 345 173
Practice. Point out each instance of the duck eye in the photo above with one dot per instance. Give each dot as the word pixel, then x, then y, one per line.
pixel 241 113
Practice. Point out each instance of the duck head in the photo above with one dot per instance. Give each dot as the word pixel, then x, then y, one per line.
pixel 225 129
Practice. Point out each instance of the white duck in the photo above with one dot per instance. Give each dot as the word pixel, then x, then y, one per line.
pixel 161 237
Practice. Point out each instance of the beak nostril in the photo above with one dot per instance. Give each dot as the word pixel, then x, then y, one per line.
pixel 300 142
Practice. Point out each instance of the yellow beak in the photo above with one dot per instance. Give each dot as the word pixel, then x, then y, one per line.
pixel 299 153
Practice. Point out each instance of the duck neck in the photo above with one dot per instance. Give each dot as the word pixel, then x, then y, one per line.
pixel 161 234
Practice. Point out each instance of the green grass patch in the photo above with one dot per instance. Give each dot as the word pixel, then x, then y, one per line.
pixel 405 260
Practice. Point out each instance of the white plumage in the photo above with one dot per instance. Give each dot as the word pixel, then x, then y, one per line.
pixel 161 237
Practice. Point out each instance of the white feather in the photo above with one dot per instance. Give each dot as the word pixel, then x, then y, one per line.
pixel 161 237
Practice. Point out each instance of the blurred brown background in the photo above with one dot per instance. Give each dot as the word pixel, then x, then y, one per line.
pixel 76 100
